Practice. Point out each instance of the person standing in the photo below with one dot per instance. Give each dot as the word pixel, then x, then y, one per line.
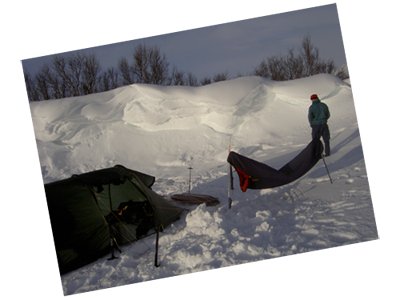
pixel 318 115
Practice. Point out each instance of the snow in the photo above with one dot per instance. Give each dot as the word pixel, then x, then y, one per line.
pixel 163 131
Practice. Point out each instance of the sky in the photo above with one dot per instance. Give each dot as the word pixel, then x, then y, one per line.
pixel 233 48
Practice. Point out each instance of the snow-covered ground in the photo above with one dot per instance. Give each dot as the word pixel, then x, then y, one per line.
pixel 163 131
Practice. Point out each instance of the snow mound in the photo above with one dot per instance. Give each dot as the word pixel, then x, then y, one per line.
pixel 153 128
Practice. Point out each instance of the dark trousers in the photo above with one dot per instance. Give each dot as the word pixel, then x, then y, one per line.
pixel 319 131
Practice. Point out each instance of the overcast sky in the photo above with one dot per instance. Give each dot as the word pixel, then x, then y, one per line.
pixel 235 48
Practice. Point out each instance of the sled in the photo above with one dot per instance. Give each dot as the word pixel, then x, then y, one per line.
pixel 189 198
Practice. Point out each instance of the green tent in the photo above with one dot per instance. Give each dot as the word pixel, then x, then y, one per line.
pixel 92 213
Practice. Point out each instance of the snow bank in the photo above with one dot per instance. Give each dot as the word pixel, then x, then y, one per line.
pixel 154 128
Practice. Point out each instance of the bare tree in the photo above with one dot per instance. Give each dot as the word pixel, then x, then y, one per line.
pixel 42 83
pixel 91 70
pixel 327 67
pixel 158 66
pixel 109 80
pixel 220 77
pixel 294 67
pixel 31 90
pixel 60 67
pixel 65 77
pixel 126 71
pixel 276 67
pixel 191 80
pixel 76 65
pixel 181 78
pixel 177 77
pixel 205 81
pixel 141 64
pixel 150 66
pixel 262 70
pixel 310 56
pixel 342 72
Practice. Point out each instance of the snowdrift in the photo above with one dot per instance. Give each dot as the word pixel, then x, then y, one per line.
pixel 163 131
pixel 156 129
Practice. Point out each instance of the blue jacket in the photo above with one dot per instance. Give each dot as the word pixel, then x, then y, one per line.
pixel 318 113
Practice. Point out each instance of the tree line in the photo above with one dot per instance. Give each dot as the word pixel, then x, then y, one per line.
pixel 297 64
pixel 81 74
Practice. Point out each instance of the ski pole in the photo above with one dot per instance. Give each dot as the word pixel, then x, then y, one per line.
pixel 326 167
pixel 156 263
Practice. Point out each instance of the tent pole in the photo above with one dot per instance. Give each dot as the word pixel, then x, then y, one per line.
pixel 326 167
pixel 190 179
pixel 156 263
pixel 230 186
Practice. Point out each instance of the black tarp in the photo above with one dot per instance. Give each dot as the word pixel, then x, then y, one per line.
pixel 256 175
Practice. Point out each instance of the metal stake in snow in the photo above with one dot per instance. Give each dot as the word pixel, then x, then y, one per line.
pixel 190 178
pixel 230 179
pixel 230 187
